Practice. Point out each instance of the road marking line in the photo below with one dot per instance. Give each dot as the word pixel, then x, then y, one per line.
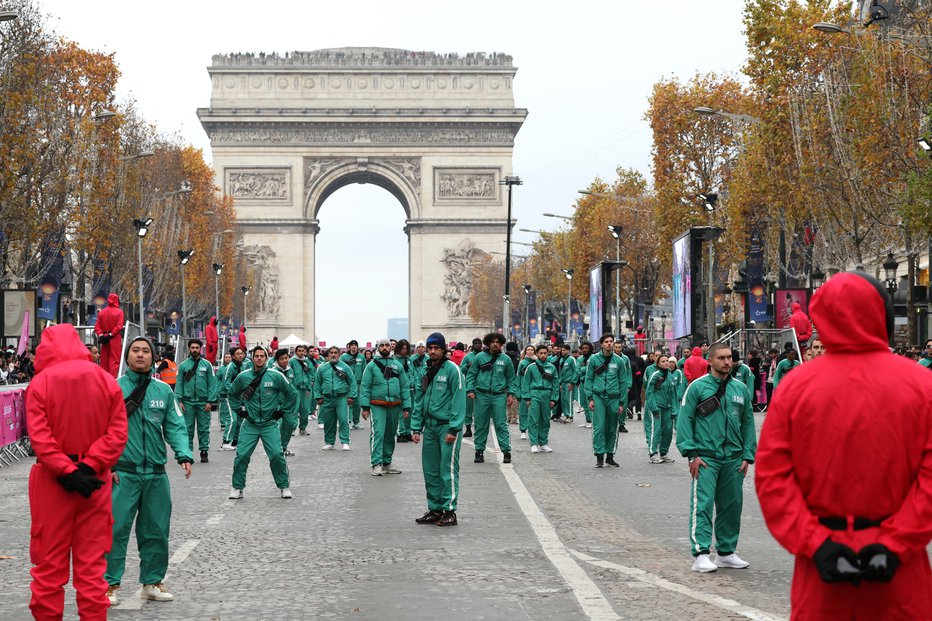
pixel 182 553
pixel 215 519
pixel 587 593
pixel 654 580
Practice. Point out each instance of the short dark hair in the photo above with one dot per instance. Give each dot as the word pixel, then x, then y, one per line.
pixel 402 344
pixel 540 347
pixel 717 346
pixel 253 351
pixel 607 335
pixel 332 348
pixel 233 350
pixel 195 342
pixel 494 336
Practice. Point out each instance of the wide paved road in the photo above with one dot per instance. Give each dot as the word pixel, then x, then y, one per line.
pixel 549 537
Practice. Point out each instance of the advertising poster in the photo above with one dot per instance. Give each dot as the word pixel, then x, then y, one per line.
pixel 595 303
pixel 575 320
pixel 15 304
pixel 533 327
pixel 682 288
pixel 757 292
pixel 783 304
pixel 51 281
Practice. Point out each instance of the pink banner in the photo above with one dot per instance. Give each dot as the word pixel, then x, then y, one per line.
pixel 7 417
pixel 19 418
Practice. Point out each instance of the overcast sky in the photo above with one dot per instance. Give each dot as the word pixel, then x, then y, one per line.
pixel 585 71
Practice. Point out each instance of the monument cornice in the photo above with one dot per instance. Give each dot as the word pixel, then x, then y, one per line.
pixel 279 225
pixel 421 114
pixel 363 59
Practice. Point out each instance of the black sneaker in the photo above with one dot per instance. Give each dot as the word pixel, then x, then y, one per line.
pixel 429 518
pixel 610 460
pixel 468 432
pixel 506 458
pixel 639 416
pixel 448 519
pixel 480 457
pixel 204 459
pixel 235 442
pixel 401 438
pixel 622 429
pixel 599 461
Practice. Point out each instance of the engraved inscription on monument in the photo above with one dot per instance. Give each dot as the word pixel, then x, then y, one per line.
pixel 259 184
pixel 455 185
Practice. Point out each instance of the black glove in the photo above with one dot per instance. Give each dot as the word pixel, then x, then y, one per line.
pixel 103 339
pixel 84 481
pixel 878 563
pixel 242 413
pixel 278 414
pixel 837 563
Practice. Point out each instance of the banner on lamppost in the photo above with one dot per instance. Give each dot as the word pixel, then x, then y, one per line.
pixel 51 281
pixel 576 323
pixel 757 292
pixel 533 327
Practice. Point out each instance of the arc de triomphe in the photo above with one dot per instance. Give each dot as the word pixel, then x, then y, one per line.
pixel 435 130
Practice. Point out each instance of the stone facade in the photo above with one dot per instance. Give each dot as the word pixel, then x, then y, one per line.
pixel 435 130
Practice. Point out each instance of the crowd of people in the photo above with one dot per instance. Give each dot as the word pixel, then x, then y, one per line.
pixel 16 369
pixel 108 456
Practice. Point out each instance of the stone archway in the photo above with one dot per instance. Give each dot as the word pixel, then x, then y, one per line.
pixel 435 130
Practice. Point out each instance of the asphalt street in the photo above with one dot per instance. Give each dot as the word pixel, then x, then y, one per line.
pixel 548 537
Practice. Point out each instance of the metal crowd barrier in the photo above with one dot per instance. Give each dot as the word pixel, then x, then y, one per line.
pixel 14 445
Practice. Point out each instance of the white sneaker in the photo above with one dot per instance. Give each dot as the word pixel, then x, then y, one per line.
pixel 583 425
pixel 156 592
pixel 524 435
pixel 320 426
pixel 655 459
pixel 588 425
pixel 730 561
pixel 667 459
pixel 327 447
pixel 112 591
pixel 235 494
pixel 286 494
pixel 704 565
pixel 535 448
pixel 377 470
pixel 226 446
pixel 546 449
pixel 345 447
pixel 390 469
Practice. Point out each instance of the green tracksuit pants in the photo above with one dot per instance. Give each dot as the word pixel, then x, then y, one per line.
pixel 538 417
pixel 305 407
pixel 604 424
pixel 383 421
pixel 333 413
pixel 522 415
pixel 440 463
pixel 585 407
pixel 491 407
pixel 566 400
pixel 237 425
pixel 355 411
pixel 720 484
pixel 654 428
pixel 470 407
pixel 287 425
pixel 145 498
pixel 404 424
pixel 666 430
pixel 194 414
pixel 249 435
pixel 228 422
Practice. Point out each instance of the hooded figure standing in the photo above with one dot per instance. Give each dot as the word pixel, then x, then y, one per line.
pixel 242 338
pixel 213 341
pixel 695 366
pixel 109 331
pixel 866 497
pixel 77 425
pixel 140 486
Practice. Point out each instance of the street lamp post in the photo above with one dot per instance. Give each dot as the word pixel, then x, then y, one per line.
pixel 245 291
pixel 616 230
pixel 569 298
pixel 527 314
pixel 509 181
pixel 890 265
pixel 709 199
pixel 184 256
pixel 218 269
pixel 142 227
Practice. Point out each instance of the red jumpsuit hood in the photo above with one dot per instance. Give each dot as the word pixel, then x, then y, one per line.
pixel 242 329
pixel 697 351
pixel 59 344
pixel 796 307
pixel 213 321
pixel 113 300
pixel 850 314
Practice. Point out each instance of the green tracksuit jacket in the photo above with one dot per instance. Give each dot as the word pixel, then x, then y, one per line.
pixel 783 367
pixel 614 380
pixel 157 421
pixel 443 399
pixel 275 393
pixel 375 386
pixel 726 433
pixel 488 374
pixel 357 364
pixel 743 374
pixel 329 384
pixel 303 372
pixel 202 387
pixel 926 362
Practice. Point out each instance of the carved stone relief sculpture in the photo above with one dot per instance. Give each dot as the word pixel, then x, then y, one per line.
pixel 244 184
pixel 262 262
pixel 457 284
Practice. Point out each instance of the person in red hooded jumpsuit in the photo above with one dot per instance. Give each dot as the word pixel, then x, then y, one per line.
pixel 242 337
pixel 77 426
pixel 800 323
pixel 109 331
pixel 213 341
pixel 695 366
pixel 844 465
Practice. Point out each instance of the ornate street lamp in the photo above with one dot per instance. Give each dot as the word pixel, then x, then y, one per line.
pixel 889 267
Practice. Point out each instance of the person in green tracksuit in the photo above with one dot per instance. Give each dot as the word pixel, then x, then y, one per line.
pixel 304 372
pixel 404 356
pixel 608 377
pixel 569 377
pixel 585 353
pixel 289 421
pixel 440 419
pixel 228 405
pixel 679 382
pixel 658 411
pixel 266 396
pixel 540 388
pixel 196 390
pixel 419 363
pixel 741 371
pixel 334 390
pixel 356 361
pixel 785 366
pixel 715 431
pixel 465 363
pixel 926 360
pixel 385 396
pixel 141 490
pixel 529 357
pixel 490 385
